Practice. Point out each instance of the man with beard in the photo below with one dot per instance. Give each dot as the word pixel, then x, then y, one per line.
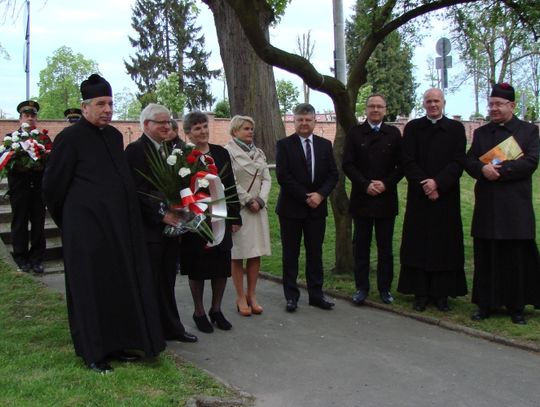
pixel 432 258
pixel 91 196
pixel 506 263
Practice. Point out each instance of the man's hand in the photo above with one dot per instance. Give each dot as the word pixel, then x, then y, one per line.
pixel 171 218
pixel 491 172
pixel 314 199
pixel 376 187
pixel 429 185
pixel 433 196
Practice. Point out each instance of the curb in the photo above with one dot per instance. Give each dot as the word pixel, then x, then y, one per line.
pixel 451 326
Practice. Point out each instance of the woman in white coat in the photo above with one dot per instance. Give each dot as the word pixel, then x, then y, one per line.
pixel 253 186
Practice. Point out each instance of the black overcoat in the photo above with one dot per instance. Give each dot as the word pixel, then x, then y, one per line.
pixel 293 179
pixel 91 195
pixel 503 209
pixel 432 230
pixel 368 156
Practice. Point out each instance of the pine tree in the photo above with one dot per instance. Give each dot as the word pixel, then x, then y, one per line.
pixel 168 41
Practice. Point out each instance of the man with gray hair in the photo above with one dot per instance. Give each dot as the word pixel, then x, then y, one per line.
pixel 90 193
pixel 307 174
pixel 163 251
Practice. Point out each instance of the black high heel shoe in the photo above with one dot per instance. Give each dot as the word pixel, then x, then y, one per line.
pixel 218 318
pixel 203 324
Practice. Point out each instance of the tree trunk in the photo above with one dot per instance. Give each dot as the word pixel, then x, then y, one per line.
pixel 250 81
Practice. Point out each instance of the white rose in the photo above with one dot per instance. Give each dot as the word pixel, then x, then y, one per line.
pixel 9 138
pixel 177 151
pixel 25 126
pixel 203 183
pixel 171 160
pixel 2 149
pixel 15 133
pixel 184 172
pixel 34 132
pixel 24 134
pixel 15 138
pixel 190 145
pixel 15 146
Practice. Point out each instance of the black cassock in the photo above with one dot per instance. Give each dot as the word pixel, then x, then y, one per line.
pixel 432 243
pixel 110 294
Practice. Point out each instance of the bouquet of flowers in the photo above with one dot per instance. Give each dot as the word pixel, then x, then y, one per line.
pixel 191 185
pixel 25 149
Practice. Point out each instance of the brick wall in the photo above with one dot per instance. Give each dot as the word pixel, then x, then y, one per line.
pixel 324 127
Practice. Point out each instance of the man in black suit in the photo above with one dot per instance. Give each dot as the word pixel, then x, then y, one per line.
pixel 371 160
pixel 163 250
pixel 307 173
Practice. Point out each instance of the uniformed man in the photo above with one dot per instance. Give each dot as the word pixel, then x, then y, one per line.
pixel 72 114
pixel 27 203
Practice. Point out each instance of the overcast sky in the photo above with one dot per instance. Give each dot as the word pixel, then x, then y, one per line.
pixel 99 30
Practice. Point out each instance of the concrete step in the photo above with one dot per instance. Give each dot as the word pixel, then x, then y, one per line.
pixel 51 230
pixel 52 252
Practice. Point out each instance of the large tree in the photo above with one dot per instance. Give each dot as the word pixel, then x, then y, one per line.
pixel 250 81
pixel 386 17
pixel 390 63
pixel 59 82
pixel 167 42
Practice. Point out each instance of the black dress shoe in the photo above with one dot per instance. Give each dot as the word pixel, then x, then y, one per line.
pixel 218 318
pixel 386 297
pixel 420 303
pixel 100 367
pixel 291 306
pixel 321 303
pixel 24 266
pixel 184 337
pixel 123 356
pixel 518 318
pixel 203 324
pixel 38 268
pixel 442 304
pixel 480 314
pixel 359 297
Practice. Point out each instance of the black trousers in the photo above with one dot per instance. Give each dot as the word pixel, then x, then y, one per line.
pixel 384 230
pixel 291 235
pixel 163 260
pixel 27 206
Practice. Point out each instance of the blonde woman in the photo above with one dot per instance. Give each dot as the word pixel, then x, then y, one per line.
pixel 253 186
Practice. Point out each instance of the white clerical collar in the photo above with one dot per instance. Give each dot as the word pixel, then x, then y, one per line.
pixel 434 121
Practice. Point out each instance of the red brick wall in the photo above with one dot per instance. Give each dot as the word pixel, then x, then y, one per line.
pixel 218 128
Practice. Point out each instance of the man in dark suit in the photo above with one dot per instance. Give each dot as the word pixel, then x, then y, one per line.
pixel 163 250
pixel 307 173
pixel 371 160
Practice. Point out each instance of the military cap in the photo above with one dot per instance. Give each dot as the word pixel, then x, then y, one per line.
pixel 72 113
pixel 28 106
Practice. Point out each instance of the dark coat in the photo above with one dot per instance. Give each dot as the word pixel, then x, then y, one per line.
pixel 137 155
pixel 432 230
pixel 503 209
pixel 110 293
pixel 292 176
pixel 192 244
pixel 373 156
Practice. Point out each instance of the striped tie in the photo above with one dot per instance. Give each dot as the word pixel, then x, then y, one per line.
pixel 308 159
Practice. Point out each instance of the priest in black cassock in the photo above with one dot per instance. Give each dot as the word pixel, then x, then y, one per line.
pixel 506 262
pixel 90 193
pixel 432 255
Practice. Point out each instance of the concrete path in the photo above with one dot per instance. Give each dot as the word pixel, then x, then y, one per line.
pixel 353 356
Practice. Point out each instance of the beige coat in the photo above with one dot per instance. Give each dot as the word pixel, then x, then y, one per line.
pixel 253 238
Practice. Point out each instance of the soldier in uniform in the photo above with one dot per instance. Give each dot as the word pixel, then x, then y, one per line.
pixel 72 114
pixel 27 204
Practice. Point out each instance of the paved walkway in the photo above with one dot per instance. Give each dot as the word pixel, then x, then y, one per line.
pixel 353 356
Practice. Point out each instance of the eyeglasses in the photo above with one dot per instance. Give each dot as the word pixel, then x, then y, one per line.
pixel 161 122
pixel 497 104
pixel 376 107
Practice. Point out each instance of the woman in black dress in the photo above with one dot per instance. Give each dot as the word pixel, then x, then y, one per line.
pixel 197 260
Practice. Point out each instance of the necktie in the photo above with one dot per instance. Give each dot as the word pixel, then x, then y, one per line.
pixel 376 129
pixel 162 151
pixel 308 159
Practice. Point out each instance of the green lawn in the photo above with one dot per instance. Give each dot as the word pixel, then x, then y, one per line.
pixel 38 366
pixel 461 307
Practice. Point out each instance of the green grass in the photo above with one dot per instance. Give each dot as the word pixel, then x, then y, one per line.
pixel 461 307
pixel 38 366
